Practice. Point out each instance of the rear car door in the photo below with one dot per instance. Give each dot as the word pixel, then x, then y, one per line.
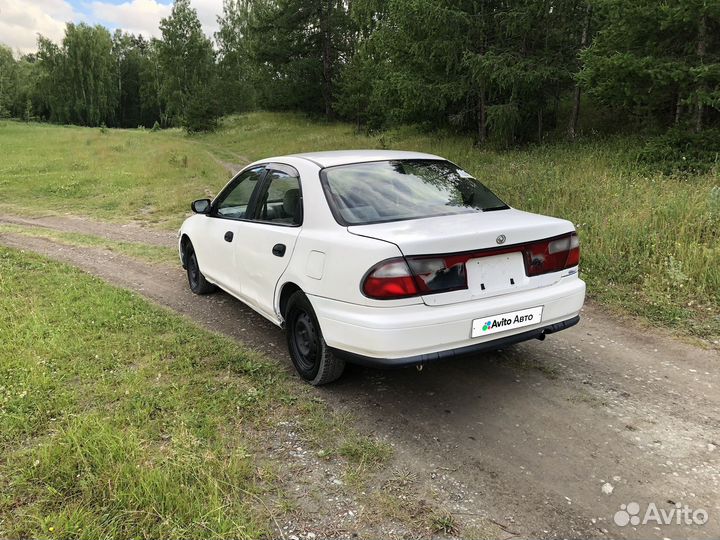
pixel 222 231
pixel 268 239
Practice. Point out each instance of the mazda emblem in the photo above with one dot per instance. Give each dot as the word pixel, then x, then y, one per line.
pixel 500 239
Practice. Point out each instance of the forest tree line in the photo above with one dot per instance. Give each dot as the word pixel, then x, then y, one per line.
pixel 507 70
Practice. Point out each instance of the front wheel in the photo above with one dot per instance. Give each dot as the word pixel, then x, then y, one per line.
pixel 198 283
pixel 309 352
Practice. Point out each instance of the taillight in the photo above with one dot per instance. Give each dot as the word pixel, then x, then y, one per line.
pixel 399 278
pixel 390 279
pixel 552 255
pixel 439 274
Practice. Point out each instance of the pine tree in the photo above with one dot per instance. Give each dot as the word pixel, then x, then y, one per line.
pixel 299 46
pixel 658 62
pixel 494 67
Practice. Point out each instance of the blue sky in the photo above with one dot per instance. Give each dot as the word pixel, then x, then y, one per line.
pixel 22 20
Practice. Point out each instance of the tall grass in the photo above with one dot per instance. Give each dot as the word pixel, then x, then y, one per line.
pixel 651 244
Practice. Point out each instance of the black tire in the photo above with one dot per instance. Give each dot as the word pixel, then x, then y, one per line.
pixel 198 283
pixel 309 353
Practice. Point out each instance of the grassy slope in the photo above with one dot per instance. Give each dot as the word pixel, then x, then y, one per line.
pixel 118 419
pixel 650 244
pixel 113 174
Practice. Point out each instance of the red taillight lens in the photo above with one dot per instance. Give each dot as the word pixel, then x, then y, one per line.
pixel 390 279
pixel 399 278
pixel 552 255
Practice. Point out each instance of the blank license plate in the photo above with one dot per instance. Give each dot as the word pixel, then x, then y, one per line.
pixel 506 321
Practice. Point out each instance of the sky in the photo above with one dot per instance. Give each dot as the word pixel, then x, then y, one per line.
pixel 22 20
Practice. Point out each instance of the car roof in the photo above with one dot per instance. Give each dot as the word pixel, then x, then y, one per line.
pixel 346 157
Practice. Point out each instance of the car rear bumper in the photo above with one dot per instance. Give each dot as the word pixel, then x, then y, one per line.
pixel 492 344
pixel 405 335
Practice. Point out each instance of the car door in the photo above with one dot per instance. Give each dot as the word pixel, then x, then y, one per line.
pixel 269 238
pixel 222 231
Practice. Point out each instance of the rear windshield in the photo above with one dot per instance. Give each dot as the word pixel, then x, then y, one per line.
pixel 381 191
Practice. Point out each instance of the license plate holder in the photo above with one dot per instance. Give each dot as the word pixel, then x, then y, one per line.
pixel 495 274
pixel 502 322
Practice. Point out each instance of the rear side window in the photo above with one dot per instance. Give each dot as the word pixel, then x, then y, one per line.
pixel 281 202
pixel 381 191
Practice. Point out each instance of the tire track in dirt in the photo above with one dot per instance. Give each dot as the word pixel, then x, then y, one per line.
pixel 118 232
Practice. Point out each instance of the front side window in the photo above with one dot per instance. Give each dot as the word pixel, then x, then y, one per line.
pixel 281 202
pixel 233 203
pixel 380 191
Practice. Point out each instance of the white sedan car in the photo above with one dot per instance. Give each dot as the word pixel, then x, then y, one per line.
pixel 382 258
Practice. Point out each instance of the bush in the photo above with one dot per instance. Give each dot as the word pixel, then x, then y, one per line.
pixel 156 126
pixel 682 152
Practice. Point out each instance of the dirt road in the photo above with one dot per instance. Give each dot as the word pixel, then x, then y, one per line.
pixel 546 438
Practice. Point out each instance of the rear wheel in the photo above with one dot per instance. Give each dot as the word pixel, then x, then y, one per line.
pixel 309 352
pixel 198 283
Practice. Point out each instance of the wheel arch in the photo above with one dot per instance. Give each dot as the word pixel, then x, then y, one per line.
pixel 286 291
pixel 184 243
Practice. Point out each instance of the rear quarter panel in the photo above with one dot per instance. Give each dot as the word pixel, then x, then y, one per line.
pixel 333 263
pixel 327 260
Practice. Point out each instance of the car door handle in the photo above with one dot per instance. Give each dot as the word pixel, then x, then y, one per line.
pixel 228 236
pixel 279 250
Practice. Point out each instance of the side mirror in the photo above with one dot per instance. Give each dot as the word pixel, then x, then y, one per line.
pixel 201 206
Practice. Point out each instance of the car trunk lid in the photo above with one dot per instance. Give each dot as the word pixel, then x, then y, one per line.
pixel 494 238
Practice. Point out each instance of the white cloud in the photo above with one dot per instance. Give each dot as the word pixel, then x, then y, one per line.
pixel 136 16
pixel 143 16
pixel 22 21
pixel 208 10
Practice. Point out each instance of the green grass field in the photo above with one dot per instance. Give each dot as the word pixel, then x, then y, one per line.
pixel 650 243
pixel 114 174
pixel 119 419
